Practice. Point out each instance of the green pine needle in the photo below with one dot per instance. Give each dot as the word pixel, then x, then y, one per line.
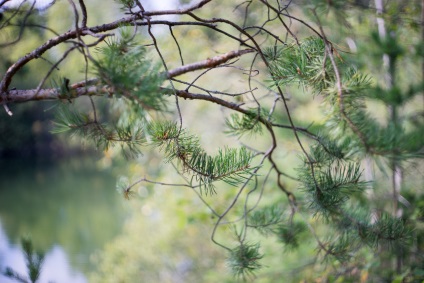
pixel 265 220
pixel 129 137
pixel 230 165
pixel 125 68
pixel 241 124
pixel 244 260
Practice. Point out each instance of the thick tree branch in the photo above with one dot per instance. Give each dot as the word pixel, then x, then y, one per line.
pixel 79 89
pixel 36 53
pixel 17 96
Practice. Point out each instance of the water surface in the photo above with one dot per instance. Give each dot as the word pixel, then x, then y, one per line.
pixel 69 209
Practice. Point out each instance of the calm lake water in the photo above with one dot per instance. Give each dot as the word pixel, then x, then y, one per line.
pixel 69 209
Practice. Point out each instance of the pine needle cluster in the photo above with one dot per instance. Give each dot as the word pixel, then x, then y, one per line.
pixel 243 260
pixel 230 165
pixel 331 174
pixel 104 136
pixel 241 124
pixel 125 68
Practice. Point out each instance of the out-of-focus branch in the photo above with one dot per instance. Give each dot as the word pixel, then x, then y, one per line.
pixel 3 2
pixel 178 11
pixel 36 53
pixel 21 30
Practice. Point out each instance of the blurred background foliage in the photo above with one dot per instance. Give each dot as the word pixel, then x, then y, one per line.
pixel 163 234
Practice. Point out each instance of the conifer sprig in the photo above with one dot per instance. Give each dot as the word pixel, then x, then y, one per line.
pixel 129 137
pixel 265 220
pixel 244 260
pixel 241 124
pixel 302 64
pixel 230 165
pixel 125 68
pixel 290 234
pixel 337 182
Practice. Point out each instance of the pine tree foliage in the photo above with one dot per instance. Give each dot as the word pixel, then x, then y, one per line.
pixel 291 234
pixel 266 219
pixel 233 166
pixel 244 260
pixel 124 187
pixel 274 221
pixel 33 260
pixel 241 124
pixel 327 179
pixel 125 68
pixel 331 176
pixel 129 137
pixel 303 64
pixel 330 187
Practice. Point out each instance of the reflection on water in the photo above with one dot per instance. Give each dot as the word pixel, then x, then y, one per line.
pixel 55 268
pixel 68 209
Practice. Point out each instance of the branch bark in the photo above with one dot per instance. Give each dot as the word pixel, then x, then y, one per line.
pixel 208 63
pixel 81 88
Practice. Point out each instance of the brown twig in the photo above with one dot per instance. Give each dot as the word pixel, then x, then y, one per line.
pixel 84 13
pixel 208 63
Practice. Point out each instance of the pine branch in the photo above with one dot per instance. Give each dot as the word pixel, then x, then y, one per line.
pixel 289 234
pixel 244 260
pixel 265 219
pixel 81 88
pixel 230 165
pixel 248 123
pixel 129 137
pixel 208 63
